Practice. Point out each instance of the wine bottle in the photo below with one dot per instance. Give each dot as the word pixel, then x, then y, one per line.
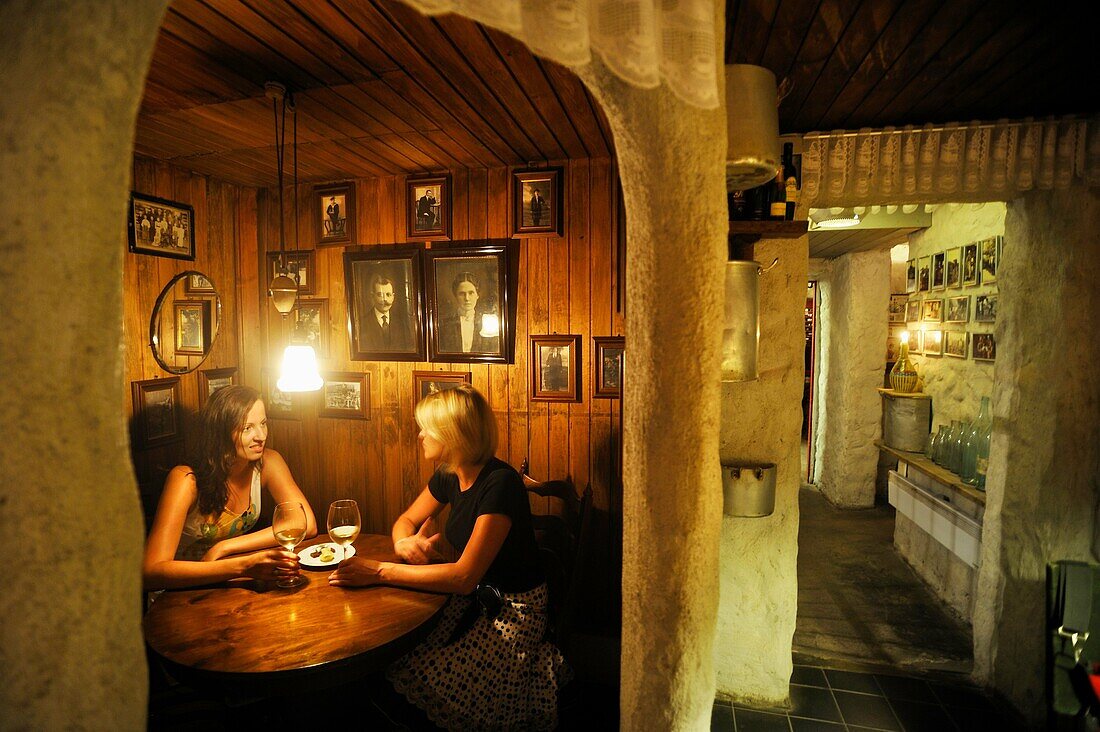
pixel 738 205
pixel 777 204
pixel 790 179
pixel 757 202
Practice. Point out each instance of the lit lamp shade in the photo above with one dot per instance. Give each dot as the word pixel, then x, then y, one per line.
pixel 490 325
pixel 299 371
pixel 752 126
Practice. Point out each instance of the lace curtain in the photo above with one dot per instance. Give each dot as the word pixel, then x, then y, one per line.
pixel 950 163
pixel 643 42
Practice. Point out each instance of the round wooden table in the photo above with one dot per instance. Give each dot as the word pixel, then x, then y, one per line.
pixel 249 637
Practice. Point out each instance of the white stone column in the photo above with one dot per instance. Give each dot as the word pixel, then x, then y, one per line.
pixel 855 298
pixel 71 76
pixel 1042 490
pixel 761 421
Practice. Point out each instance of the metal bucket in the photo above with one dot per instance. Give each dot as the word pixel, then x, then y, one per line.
pixel 748 489
pixel 741 327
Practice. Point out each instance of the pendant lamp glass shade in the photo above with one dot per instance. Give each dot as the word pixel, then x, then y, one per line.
pixel 752 126
pixel 283 291
pixel 299 371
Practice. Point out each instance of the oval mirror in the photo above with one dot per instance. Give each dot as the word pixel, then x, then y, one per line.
pixel 185 322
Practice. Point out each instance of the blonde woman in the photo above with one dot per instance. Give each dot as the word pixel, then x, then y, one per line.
pixel 485 666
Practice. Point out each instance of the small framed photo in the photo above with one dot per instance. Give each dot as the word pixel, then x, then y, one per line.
pixel 988 259
pixel 334 214
pixel 385 303
pixel 198 284
pixel 937 271
pixel 161 227
pixel 210 380
pixel 953 267
pixel 958 309
pixel 970 264
pixel 555 372
pixel 608 360
pixel 924 274
pixel 192 326
pixel 346 394
pixel 954 343
pixel 311 325
pixel 429 382
pixel 933 343
pixel 158 414
pixel 916 341
pixel 428 205
pixel 896 313
pixel 912 311
pixel 279 404
pixel 893 348
pixel 468 304
pixel 985 308
pixel 537 203
pixel 984 346
pixel 298 265
pixel 932 311
pixel 911 276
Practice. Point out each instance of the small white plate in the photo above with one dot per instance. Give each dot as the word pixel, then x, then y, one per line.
pixel 307 559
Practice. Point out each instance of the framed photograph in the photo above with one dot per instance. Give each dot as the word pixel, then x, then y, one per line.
pixel 311 325
pixel 954 344
pixel 192 326
pixel 429 382
pixel 210 380
pixel 428 205
pixel 555 368
pixel 937 271
pixel 158 414
pixel 279 404
pixel 985 308
pixel 933 343
pixel 911 276
pixel 893 348
pixel 970 264
pixel 958 309
pixel 912 311
pixel 932 311
pixel 198 284
pixel 161 227
pixel 984 346
pixel 953 267
pixel 608 362
pixel 346 394
pixel 334 214
pixel 385 303
pixel 988 259
pixel 537 202
pixel 468 304
pixel 299 266
pixel 924 274
pixel 916 341
pixel 896 313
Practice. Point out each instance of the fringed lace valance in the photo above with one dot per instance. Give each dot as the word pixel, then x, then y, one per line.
pixel 641 41
pixel 950 163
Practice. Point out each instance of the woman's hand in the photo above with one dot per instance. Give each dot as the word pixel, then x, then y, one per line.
pixel 215 552
pixel 420 548
pixel 356 572
pixel 271 564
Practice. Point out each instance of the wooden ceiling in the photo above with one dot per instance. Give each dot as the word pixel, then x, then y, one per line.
pixel 382 90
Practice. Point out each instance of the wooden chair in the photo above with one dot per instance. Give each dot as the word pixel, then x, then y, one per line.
pixel 563 546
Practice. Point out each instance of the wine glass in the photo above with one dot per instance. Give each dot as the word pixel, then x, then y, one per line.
pixel 343 523
pixel 289 526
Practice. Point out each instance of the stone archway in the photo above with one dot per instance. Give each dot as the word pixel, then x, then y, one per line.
pixel 72 78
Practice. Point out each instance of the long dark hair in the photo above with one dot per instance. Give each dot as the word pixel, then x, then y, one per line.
pixel 220 420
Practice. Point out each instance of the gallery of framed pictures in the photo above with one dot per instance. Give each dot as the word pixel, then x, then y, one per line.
pixel 453 303
pixel 963 266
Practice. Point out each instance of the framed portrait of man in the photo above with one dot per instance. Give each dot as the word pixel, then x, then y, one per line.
pixel 428 207
pixel 555 368
pixel 385 303
pixel 537 203
pixel 469 298
pixel 608 366
pixel 334 214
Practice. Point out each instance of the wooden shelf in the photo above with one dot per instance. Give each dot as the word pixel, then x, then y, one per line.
pixel 743 234
pixel 940 474
pixel 903 394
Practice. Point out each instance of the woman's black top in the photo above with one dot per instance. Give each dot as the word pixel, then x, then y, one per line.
pixel 498 489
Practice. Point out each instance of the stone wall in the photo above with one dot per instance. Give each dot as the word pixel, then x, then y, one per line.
pixel 761 421
pixel 854 302
pixel 1042 488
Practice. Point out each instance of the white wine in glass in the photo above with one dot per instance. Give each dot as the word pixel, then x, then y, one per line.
pixel 289 526
pixel 343 523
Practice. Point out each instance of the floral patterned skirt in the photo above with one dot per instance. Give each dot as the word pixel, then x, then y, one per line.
pixel 499 675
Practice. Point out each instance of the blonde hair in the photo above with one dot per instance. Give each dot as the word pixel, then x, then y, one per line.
pixel 460 419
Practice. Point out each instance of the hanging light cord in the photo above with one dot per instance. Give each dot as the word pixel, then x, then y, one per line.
pixel 280 138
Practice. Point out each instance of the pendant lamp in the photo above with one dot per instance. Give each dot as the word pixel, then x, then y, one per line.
pixel 752 126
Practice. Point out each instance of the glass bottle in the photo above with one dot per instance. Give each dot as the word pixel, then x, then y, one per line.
pixel 903 377
pixel 984 432
pixel 958 431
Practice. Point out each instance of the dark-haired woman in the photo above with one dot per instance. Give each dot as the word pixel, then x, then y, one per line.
pixel 200 533
pixel 486 665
